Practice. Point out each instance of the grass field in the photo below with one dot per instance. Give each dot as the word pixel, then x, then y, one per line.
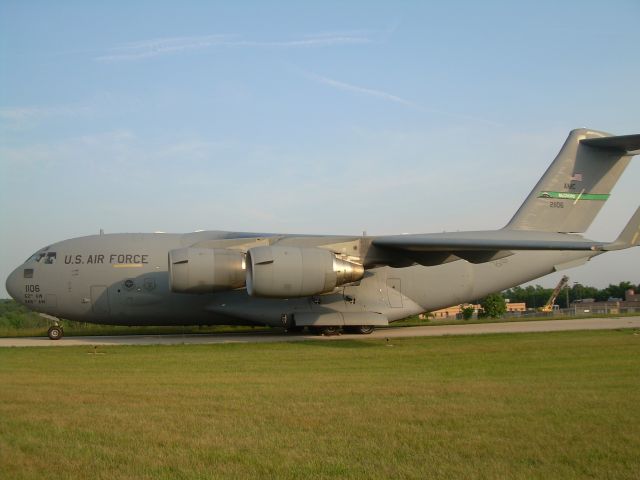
pixel 553 405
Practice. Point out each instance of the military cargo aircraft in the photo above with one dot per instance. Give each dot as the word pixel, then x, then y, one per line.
pixel 329 283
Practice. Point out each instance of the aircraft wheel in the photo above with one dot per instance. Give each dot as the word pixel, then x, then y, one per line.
pixel 55 332
pixel 328 331
pixel 360 329
pixel 365 329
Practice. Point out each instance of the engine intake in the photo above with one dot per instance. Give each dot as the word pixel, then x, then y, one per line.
pixel 286 272
pixel 205 270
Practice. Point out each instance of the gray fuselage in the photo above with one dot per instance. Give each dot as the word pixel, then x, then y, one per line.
pixel 123 279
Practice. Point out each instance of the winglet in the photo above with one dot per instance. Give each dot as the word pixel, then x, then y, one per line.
pixel 630 236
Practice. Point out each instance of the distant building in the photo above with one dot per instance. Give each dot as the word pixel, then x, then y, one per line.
pixel 588 305
pixel 453 312
pixel 631 296
pixel 613 305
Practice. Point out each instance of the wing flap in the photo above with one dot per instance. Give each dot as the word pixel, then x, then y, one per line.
pixel 483 256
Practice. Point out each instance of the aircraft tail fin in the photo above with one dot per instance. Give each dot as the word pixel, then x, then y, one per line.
pixel 630 236
pixel 577 183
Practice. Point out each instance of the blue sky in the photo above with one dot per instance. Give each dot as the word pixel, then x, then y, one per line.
pixel 332 117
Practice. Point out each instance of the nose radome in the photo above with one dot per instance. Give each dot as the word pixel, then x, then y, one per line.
pixel 13 286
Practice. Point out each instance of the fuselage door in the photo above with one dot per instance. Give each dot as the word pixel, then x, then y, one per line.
pixel 100 300
pixel 394 292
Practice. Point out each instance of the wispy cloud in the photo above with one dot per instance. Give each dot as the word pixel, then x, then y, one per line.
pixel 361 90
pixel 31 113
pixel 173 45
pixel 391 98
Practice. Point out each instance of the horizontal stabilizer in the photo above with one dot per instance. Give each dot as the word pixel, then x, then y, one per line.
pixel 621 143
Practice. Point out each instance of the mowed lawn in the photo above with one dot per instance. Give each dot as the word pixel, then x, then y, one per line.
pixel 552 405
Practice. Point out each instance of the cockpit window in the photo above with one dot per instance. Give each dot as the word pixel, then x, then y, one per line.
pixel 49 257
pixel 36 257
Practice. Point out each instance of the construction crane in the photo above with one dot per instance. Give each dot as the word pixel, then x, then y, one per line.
pixel 548 307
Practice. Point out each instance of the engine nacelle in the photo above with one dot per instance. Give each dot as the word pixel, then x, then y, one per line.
pixel 205 270
pixel 286 272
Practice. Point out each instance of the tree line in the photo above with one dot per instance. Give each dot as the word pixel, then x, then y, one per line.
pixel 537 296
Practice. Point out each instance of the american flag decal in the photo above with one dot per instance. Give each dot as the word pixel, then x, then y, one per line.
pixel 577 177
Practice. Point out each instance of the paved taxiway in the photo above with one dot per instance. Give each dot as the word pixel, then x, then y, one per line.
pixel 391 332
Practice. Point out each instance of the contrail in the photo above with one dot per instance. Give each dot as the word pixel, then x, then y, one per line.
pixel 172 45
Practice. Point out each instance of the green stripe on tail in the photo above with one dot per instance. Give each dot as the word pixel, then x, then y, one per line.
pixel 574 196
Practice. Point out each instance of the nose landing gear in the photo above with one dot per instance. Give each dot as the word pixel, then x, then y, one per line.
pixel 55 332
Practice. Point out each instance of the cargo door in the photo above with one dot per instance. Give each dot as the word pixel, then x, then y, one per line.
pixel 394 292
pixel 100 300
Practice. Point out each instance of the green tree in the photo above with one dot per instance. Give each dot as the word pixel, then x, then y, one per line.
pixel 494 305
pixel 616 291
pixel 467 312
pixel 537 296
pixel 532 296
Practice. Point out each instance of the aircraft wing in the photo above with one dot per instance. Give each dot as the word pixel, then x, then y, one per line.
pixel 487 240
pixel 480 246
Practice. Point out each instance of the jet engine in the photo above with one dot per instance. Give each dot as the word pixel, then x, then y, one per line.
pixel 205 270
pixel 286 272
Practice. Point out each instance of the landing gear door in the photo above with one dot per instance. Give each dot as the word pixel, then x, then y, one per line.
pixel 100 300
pixel 394 292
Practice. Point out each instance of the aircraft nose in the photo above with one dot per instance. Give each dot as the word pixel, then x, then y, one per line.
pixel 13 285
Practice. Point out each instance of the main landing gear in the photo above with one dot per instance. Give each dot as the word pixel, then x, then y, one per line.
pixel 335 330
pixel 361 329
pixel 55 332
pixel 326 331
